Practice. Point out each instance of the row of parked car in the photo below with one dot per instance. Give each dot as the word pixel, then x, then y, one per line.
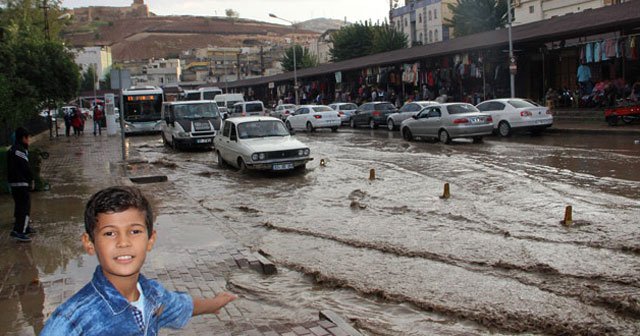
pixel 426 119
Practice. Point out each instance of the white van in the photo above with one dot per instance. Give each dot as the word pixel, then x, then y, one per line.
pixel 189 123
pixel 228 100
pixel 246 109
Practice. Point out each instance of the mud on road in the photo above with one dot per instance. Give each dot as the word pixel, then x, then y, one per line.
pixel 396 259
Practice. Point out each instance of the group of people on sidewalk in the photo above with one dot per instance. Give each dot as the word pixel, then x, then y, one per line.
pixel 75 120
pixel 119 231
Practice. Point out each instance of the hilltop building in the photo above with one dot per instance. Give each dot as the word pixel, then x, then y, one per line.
pixel 138 9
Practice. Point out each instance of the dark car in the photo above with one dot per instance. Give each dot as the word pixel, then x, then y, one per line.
pixel 372 114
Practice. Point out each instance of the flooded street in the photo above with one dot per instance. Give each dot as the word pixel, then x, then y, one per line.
pixel 388 255
pixel 396 259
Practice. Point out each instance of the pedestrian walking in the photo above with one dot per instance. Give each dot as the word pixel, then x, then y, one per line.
pixel 77 122
pixel 68 117
pixel 20 180
pixel 97 119
pixel 119 300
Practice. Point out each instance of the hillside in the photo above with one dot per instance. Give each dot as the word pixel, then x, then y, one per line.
pixel 168 36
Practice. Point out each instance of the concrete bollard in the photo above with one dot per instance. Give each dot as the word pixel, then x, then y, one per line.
pixel 446 194
pixel 372 174
pixel 568 216
pixel 322 163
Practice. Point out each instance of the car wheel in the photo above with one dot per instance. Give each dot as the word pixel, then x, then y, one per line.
pixel 242 167
pixel 444 137
pixel 390 125
pixel 372 124
pixel 504 129
pixel 477 139
pixel 221 162
pixel 288 124
pixel 310 127
pixel 406 134
pixel 334 129
pixel 352 123
pixel 627 119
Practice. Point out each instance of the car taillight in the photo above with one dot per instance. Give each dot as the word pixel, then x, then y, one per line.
pixel 461 121
pixel 526 114
pixel 317 116
pixel 244 114
pixel 375 113
pixel 340 113
pixel 549 112
pixel 489 119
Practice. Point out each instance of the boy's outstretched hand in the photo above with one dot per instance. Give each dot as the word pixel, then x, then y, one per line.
pixel 212 305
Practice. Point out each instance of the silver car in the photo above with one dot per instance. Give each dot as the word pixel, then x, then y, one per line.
pixel 344 110
pixel 407 111
pixel 448 121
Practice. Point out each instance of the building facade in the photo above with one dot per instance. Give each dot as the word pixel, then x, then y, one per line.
pixel 422 21
pixel 98 58
pixel 526 11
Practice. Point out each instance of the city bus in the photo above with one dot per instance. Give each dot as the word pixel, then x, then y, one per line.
pixel 141 110
pixel 203 93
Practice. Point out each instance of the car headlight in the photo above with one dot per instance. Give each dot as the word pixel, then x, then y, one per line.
pixel 304 152
pixel 258 156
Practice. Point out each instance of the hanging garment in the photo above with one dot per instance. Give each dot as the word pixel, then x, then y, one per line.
pixel 589 52
pixel 597 53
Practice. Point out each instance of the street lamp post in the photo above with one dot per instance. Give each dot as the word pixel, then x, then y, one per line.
pixel 295 74
pixel 512 60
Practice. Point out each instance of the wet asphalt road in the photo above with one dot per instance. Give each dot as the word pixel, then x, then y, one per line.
pixel 393 257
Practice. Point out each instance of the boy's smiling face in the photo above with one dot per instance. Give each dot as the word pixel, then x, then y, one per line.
pixel 121 242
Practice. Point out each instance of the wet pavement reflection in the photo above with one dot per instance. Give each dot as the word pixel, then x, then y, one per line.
pixel 389 254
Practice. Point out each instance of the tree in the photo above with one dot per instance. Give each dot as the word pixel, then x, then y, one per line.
pixel 88 80
pixel 34 71
pixel 231 13
pixel 474 16
pixel 304 58
pixel 362 39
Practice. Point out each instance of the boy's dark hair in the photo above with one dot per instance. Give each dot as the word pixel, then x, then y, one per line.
pixel 116 199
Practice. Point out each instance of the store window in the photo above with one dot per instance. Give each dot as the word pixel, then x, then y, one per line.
pixel 419 18
pixel 421 38
pixel 436 36
pixel 531 9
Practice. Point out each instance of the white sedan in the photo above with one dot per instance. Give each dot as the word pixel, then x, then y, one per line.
pixel 514 114
pixel 311 117
pixel 259 143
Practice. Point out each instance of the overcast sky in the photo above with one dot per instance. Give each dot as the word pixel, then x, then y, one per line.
pixel 293 10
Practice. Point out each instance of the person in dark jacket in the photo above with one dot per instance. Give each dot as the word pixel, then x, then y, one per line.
pixel 20 180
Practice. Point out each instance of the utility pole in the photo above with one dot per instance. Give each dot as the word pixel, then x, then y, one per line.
pixel 512 60
pixel 45 7
pixel 295 66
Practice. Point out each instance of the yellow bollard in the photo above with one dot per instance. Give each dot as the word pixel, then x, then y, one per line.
pixel 568 216
pixel 446 194
pixel 372 174
pixel 322 163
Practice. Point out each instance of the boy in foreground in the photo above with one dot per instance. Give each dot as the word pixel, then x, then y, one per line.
pixel 119 300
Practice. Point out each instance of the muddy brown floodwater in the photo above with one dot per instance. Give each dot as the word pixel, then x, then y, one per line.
pixel 397 260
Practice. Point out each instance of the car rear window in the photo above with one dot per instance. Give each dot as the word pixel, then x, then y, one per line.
pixel 348 107
pixel 254 107
pixel 520 103
pixel 322 109
pixel 385 106
pixel 461 108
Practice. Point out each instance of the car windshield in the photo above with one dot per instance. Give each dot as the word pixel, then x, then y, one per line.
pixel 261 129
pixel 322 109
pixel 461 108
pixel 195 111
pixel 520 103
pixel 348 107
pixel 385 106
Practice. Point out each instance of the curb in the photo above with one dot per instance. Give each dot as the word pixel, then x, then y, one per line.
pixel 598 131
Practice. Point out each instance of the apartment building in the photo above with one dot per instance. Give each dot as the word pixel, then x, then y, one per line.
pixel 526 11
pixel 422 21
pixel 98 58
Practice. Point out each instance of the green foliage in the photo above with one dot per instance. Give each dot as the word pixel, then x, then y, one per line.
pixel 474 16
pixel 304 58
pixel 34 71
pixel 88 80
pixel 362 39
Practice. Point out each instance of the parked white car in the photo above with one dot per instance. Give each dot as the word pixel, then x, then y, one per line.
pixel 311 117
pixel 515 114
pixel 407 111
pixel 282 111
pixel 344 110
pixel 259 143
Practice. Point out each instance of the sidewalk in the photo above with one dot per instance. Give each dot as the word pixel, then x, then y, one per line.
pixel 194 252
pixel 593 127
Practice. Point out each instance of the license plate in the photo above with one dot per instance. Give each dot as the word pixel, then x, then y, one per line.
pixel 203 141
pixel 282 166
